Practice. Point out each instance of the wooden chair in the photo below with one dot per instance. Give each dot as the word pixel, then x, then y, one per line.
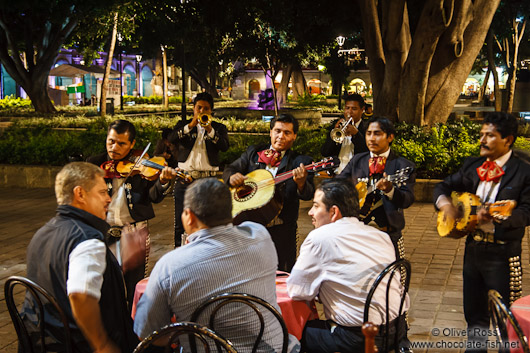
pixel 28 340
pixel 402 268
pixel 169 336
pixel 500 314
pixel 215 305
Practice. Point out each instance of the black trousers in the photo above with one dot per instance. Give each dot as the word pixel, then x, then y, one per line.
pixel 486 266
pixel 284 238
pixel 318 338
pixel 178 196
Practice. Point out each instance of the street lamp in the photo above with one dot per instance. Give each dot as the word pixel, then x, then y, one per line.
pixel 120 38
pixel 340 42
pixel 138 59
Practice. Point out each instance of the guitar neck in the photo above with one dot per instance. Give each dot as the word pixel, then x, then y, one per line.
pixel 311 168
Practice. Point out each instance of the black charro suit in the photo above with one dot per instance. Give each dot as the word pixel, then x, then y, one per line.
pixel 284 235
pixel 331 148
pixel 185 142
pixel 492 265
pixel 143 193
pixel 390 215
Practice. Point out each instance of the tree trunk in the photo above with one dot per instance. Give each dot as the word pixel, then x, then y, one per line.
pixel 165 97
pixel 38 93
pixel 449 71
pixel 397 41
pixel 482 91
pixel 299 83
pixel 517 35
pixel 200 78
pixel 493 69
pixel 108 65
pixel 283 90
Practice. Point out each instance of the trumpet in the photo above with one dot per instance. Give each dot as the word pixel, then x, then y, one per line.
pixel 205 120
pixel 338 133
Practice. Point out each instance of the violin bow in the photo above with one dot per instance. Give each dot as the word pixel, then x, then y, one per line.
pixel 139 159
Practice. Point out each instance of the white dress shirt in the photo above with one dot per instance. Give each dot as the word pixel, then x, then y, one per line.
pixel 86 265
pixel 339 262
pixel 346 150
pixel 198 157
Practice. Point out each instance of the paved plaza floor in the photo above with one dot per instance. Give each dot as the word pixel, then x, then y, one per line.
pixel 436 283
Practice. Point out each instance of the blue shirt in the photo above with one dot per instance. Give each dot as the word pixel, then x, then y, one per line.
pixel 237 259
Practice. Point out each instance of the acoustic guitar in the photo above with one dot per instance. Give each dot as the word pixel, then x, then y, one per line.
pixel 256 199
pixel 364 190
pixel 468 204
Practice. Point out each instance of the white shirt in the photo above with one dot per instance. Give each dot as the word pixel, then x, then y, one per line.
pixel 86 264
pixel 198 157
pixel 118 213
pixel 346 150
pixel 339 262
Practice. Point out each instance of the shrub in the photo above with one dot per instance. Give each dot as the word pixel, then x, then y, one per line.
pixel 13 103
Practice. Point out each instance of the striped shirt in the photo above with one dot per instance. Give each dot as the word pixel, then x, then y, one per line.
pixel 217 260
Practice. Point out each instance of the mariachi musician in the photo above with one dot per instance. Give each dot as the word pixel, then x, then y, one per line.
pixel 383 208
pixel 131 205
pixel 277 157
pixel 492 258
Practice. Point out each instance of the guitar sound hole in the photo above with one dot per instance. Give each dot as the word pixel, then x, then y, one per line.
pixel 245 192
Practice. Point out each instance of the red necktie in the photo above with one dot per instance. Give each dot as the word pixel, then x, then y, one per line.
pixel 270 157
pixel 377 165
pixel 490 171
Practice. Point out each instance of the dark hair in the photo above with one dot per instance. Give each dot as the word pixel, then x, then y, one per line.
pixel 341 193
pixel 384 123
pixel 356 98
pixel 165 133
pixel 505 123
pixel 367 105
pixel 204 96
pixel 210 200
pixel 285 118
pixel 123 126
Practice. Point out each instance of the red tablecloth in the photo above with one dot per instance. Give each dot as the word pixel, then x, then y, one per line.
pixel 295 313
pixel 521 310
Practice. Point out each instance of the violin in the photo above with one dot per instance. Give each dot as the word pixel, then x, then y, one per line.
pixel 148 168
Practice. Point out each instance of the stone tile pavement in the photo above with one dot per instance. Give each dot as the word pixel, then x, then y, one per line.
pixel 436 283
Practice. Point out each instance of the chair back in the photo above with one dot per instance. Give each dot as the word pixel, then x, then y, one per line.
pixel 500 314
pixel 30 342
pixel 402 268
pixel 253 313
pixel 168 336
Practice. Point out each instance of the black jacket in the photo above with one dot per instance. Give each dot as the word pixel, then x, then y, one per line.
pixel 331 148
pixel 403 195
pixel 185 142
pixel 47 264
pixel 142 192
pixel 515 185
pixel 248 162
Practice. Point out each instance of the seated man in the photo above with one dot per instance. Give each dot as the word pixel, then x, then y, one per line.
pixel 68 257
pixel 219 258
pixel 339 261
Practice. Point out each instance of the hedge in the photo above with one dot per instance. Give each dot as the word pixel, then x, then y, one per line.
pixel 436 151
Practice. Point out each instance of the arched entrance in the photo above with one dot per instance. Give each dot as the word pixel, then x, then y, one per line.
pixel 129 80
pixel 357 85
pixel 314 86
pixel 147 76
pixel 253 89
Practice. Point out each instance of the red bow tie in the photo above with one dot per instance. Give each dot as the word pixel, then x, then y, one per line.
pixel 110 169
pixel 270 157
pixel 377 165
pixel 490 171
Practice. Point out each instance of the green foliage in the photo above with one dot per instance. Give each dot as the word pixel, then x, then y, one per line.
pixel 152 99
pixel 440 150
pixel 311 100
pixel 12 103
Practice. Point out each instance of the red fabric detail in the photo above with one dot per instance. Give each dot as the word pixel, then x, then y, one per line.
pixel 270 157
pixel 490 171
